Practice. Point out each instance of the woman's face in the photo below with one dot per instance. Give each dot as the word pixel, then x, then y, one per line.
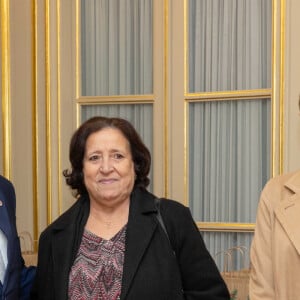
pixel 108 167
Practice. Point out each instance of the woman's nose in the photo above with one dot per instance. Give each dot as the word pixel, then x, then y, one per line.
pixel 106 165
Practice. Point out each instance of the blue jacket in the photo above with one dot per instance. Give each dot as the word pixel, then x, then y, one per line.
pixel 18 278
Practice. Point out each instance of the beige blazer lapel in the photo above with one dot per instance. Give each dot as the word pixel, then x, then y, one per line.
pixel 288 211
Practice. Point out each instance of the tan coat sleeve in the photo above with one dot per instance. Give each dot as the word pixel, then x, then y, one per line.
pixel 261 286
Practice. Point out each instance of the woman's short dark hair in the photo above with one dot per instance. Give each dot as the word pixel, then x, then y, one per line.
pixel 140 153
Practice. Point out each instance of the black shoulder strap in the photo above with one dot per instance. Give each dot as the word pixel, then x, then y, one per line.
pixel 160 219
pixel 162 224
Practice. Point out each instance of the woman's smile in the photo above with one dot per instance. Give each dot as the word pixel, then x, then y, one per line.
pixel 107 180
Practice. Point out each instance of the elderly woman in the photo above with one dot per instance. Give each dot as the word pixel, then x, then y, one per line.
pixel 110 244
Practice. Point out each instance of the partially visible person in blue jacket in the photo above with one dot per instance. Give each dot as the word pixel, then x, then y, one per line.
pixel 15 278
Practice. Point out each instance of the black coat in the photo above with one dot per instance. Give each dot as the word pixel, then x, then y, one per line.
pixel 151 270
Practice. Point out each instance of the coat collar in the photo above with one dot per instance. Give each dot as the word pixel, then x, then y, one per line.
pixel 288 210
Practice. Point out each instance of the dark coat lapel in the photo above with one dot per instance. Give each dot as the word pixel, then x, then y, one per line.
pixel 61 245
pixel 66 240
pixel 7 217
pixel 140 228
pixel 7 225
pixel 4 220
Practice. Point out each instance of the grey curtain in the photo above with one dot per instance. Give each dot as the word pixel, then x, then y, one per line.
pixel 229 141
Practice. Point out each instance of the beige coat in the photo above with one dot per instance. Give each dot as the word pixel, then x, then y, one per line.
pixel 275 250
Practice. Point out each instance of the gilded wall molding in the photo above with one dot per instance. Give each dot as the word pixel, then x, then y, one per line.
pixel 35 151
pixel 6 97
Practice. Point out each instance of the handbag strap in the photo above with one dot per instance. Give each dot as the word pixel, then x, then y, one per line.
pixel 161 221
pixel 163 226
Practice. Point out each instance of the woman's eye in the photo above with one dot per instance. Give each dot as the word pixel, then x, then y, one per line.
pixel 94 157
pixel 118 156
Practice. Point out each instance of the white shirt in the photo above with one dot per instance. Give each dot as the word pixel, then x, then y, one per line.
pixel 3 255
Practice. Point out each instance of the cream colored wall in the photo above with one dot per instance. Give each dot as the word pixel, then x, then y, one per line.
pixel 292 87
pixel 176 125
pixel 21 111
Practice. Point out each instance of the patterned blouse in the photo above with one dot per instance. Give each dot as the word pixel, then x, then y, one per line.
pixel 98 268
